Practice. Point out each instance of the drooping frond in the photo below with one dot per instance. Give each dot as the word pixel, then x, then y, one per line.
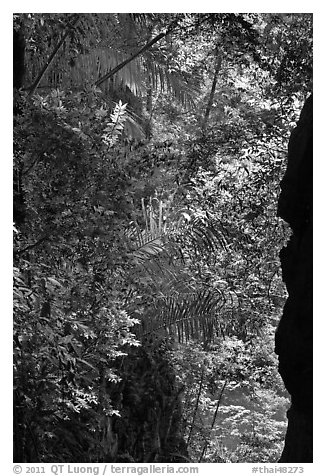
pixel 162 78
pixel 93 65
pixel 206 233
pixel 199 234
pixel 163 250
pixel 87 68
pixel 133 128
pixel 156 256
pixel 149 239
pixel 98 45
pixel 164 246
pixel 190 316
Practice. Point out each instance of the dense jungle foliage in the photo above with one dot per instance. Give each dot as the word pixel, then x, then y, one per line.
pixel 148 153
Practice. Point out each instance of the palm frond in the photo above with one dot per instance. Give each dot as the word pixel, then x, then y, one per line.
pixel 162 249
pixel 161 78
pixel 207 233
pixel 87 68
pixel 133 128
pixel 200 234
pixel 149 241
pixel 156 256
pixel 189 316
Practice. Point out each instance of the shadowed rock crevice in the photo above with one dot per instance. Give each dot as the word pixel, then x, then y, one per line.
pixel 294 341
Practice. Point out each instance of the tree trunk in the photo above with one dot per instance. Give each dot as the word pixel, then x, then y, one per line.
pixel 213 89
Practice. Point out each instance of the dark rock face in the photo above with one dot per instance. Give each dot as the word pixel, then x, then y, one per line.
pixel 18 79
pixel 18 58
pixel 294 340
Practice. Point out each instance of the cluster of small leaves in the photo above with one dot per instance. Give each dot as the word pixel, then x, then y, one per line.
pixel 62 360
pixel 70 323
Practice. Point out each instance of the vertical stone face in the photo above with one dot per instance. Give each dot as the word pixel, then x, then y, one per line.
pixel 294 340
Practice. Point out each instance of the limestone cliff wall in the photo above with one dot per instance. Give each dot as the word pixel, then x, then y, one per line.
pixel 294 338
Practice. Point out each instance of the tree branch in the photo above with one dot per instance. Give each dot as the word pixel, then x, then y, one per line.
pixel 138 53
pixel 214 419
pixel 48 62
pixel 33 245
pixel 196 405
